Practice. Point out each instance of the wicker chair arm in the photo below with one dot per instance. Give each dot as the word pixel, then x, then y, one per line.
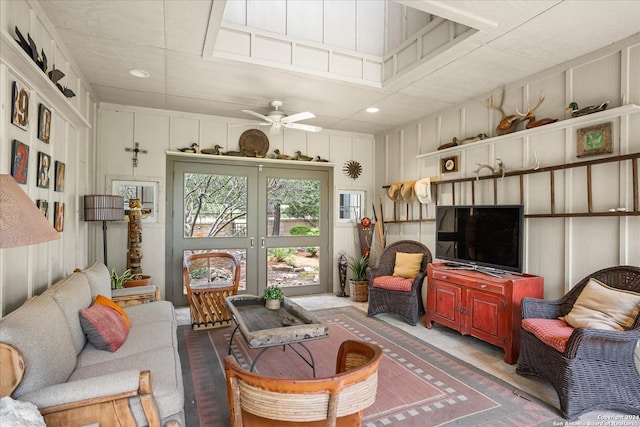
pixel 417 282
pixel 534 308
pixel 601 344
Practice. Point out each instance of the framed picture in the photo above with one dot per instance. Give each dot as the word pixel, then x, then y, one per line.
pixel 594 140
pixel 44 164
pixel 43 205
pixel 44 123
pixel 20 106
pixel 58 216
pixel 449 164
pixel 59 179
pixel 19 161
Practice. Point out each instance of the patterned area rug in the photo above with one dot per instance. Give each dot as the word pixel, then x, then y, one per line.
pixel 419 385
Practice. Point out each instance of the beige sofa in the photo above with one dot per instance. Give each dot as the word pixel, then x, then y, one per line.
pixel 74 383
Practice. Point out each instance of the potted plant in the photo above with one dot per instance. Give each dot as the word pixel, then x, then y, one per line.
pixel 272 295
pixel 117 282
pixel 359 284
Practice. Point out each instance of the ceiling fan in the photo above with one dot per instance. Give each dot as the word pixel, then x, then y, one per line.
pixel 278 119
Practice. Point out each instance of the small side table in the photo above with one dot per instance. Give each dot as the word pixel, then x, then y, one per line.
pixel 127 297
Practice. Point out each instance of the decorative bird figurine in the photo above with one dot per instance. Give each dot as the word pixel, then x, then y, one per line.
pixel 215 150
pixel 280 155
pixel 302 157
pixel 320 159
pixel 507 124
pixel 577 112
pixel 233 153
pixel 191 149
pixel 531 118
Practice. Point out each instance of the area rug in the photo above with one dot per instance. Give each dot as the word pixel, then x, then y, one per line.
pixel 419 384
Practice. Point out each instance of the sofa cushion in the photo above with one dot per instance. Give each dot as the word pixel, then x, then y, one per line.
pixel 407 265
pixel 393 283
pixel 602 307
pixel 553 332
pixel 72 295
pixel 99 279
pixel 48 350
pixel 102 300
pixel 157 311
pixel 166 378
pixel 104 326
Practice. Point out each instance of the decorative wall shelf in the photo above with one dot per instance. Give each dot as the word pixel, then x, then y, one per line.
pixel 22 65
pixel 634 211
pixel 562 124
pixel 246 160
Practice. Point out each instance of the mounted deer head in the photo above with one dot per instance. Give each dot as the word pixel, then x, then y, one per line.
pixel 532 122
pixel 507 124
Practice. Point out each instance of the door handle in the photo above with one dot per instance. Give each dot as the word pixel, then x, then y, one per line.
pixel 251 244
pixel 262 242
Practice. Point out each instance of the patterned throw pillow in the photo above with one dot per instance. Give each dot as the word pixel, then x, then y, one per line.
pixel 105 327
pixel 102 300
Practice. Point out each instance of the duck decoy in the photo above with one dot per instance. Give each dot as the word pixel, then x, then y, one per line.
pixel 233 153
pixel 215 150
pixel 302 157
pixel 320 159
pixel 577 112
pixel 280 155
pixel 191 149
pixel 478 137
pixel 508 124
pixel 531 118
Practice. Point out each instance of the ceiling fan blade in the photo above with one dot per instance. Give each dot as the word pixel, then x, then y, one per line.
pixel 297 117
pixel 258 115
pixel 300 126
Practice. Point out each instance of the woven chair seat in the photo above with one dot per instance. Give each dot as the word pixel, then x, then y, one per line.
pixel 553 332
pixel 393 296
pixel 393 283
pixel 597 368
pixel 338 400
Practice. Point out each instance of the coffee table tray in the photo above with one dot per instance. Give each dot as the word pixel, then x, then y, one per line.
pixel 262 327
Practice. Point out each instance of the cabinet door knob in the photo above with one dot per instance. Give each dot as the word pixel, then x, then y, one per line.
pixel 445 276
pixel 483 286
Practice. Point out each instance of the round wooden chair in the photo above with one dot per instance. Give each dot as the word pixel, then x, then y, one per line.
pixel 210 278
pixel 256 400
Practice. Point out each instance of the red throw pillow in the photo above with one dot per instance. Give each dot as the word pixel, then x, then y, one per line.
pixel 102 300
pixel 105 327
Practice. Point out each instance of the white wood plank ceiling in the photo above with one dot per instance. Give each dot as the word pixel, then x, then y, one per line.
pixel 202 59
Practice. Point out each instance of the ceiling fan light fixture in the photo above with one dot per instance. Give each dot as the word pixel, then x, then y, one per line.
pixel 372 110
pixel 141 74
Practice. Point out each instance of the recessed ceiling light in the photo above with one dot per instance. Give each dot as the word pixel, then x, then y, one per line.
pixel 372 110
pixel 141 74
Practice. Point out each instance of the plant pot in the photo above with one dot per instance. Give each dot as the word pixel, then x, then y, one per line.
pixel 272 304
pixel 144 281
pixel 359 290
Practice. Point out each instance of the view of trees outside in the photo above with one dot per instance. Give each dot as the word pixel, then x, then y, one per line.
pixel 216 206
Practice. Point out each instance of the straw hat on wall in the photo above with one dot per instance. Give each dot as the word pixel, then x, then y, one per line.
pixel 394 192
pixel 407 192
pixel 422 189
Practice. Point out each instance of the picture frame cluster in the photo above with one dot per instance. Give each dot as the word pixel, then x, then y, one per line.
pixel 20 152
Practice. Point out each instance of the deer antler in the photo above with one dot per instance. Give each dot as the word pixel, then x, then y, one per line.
pixel 491 103
pixel 529 109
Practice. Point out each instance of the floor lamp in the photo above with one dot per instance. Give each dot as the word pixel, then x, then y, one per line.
pixel 104 207
pixel 21 222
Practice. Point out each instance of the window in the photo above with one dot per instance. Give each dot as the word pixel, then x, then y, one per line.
pixel 350 205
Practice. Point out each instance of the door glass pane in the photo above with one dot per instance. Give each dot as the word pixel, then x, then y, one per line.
pixel 287 267
pixel 220 270
pixel 293 207
pixel 215 205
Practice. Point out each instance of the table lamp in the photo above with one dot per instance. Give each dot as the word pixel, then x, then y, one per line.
pixel 103 207
pixel 21 222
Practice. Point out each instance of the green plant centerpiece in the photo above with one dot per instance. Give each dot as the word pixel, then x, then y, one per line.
pixel 117 281
pixel 273 295
pixel 359 283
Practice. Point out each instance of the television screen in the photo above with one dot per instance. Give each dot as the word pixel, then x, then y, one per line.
pixel 489 236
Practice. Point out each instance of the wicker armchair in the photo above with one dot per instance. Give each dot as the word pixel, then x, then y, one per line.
pixel 209 279
pixel 406 304
pixel 596 369
pixel 339 400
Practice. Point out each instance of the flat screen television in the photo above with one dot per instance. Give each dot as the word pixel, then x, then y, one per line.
pixel 489 237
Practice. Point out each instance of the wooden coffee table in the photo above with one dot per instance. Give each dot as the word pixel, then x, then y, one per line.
pixel 263 328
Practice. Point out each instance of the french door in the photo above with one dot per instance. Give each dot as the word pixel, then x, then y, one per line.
pixel 274 219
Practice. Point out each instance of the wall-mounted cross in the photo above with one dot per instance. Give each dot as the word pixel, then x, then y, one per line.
pixel 135 151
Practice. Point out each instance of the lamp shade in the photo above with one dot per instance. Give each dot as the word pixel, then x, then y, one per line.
pixel 103 207
pixel 21 222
